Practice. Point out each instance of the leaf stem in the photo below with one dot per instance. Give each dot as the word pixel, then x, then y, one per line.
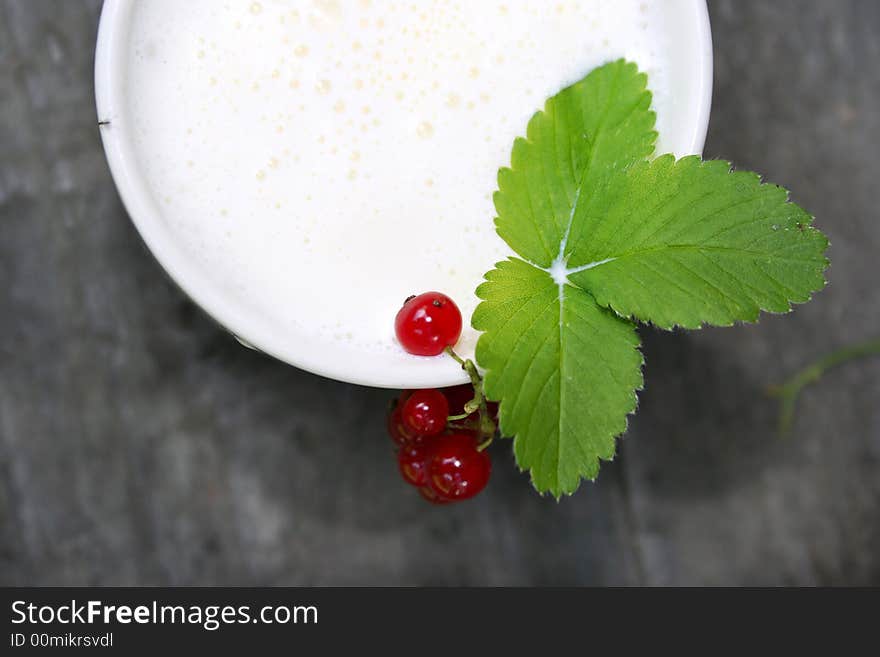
pixel 789 391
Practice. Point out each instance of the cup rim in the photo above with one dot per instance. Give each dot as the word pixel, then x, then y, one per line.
pixel 306 353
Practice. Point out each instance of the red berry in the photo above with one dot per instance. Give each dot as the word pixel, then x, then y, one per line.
pixel 413 462
pixel 396 428
pixel 456 469
pixel 433 496
pixel 427 324
pixel 424 412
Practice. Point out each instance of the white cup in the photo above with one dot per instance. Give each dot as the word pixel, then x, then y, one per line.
pixel 689 39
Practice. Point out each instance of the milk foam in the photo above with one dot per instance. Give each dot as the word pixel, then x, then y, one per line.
pixel 324 160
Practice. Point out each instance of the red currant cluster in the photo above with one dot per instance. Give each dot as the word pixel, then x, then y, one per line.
pixel 441 435
pixel 443 455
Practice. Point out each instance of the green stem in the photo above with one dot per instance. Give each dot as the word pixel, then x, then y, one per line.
pixel 487 426
pixel 466 426
pixel 458 359
pixel 788 392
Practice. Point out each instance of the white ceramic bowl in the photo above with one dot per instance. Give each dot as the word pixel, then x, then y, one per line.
pixel 690 39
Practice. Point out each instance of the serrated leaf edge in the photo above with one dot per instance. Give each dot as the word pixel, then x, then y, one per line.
pixel 557 494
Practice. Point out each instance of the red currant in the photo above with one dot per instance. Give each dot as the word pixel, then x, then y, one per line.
pixel 433 496
pixel 413 462
pixel 424 412
pixel 396 428
pixel 427 324
pixel 457 470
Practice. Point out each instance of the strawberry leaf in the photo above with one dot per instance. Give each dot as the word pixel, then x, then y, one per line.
pixel 688 242
pixel 565 367
pixel 606 236
pixel 585 133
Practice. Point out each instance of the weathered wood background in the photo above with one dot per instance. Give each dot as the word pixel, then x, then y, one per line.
pixel 139 444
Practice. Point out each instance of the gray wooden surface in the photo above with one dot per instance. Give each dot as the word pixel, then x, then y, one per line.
pixel 139 444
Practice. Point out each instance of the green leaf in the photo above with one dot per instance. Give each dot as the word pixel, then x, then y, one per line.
pixel 586 132
pixel 688 242
pixel 585 135
pixel 565 368
pixel 599 228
